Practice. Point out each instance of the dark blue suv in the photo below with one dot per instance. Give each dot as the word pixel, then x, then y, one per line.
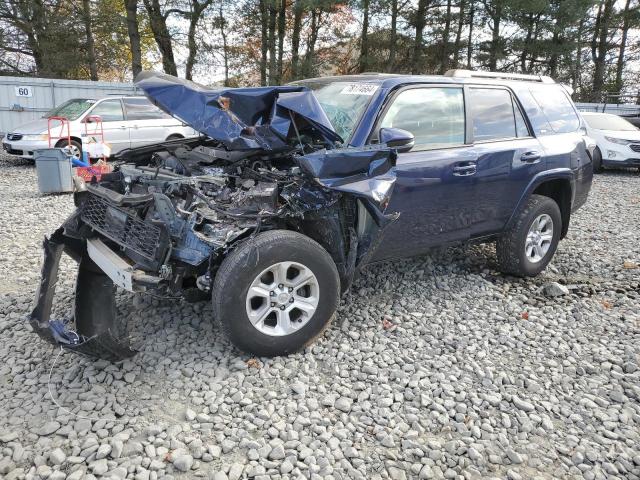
pixel 291 190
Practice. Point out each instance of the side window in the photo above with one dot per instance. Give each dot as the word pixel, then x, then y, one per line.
pixel 434 115
pixel 495 117
pixel 557 108
pixel 109 111
pixel 142 109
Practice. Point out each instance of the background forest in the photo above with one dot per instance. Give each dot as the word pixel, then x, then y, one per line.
pixel 592 45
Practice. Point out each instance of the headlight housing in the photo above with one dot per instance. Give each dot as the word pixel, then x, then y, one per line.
pixel 41 136
pixel 619 141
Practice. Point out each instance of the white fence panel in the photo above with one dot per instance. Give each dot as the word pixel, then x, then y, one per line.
pixel 23 99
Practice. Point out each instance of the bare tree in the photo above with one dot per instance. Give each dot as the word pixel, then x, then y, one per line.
pixel 161 34
pixel 131 7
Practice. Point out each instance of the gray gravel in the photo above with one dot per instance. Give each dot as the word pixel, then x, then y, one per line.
pixel 435 367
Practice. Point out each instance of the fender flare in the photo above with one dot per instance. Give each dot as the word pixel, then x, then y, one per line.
pixel 536 181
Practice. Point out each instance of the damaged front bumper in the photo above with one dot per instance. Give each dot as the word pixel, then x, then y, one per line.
pixel 96 332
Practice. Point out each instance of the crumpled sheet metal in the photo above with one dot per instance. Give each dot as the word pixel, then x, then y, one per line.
pixel 240 118
pixel 364 172
pixel 57 332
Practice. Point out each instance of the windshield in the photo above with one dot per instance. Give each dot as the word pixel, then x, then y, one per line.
pixel 608 122
pixel 343 102
pixel 71 109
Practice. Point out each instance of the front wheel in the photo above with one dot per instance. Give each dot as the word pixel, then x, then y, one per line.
pixel 528 247
pixel 597 161
pixel 74 147
pixel 276 293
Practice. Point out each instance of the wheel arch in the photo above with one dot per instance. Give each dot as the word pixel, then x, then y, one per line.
pixel 73 138
pixel 174 136
pixel 557 185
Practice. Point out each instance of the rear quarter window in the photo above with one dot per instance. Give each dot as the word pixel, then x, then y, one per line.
pixel 557 109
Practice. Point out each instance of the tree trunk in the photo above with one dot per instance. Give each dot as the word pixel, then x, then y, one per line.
pixel 131 7
pixel 271 42
pixel 311 42
pixel 91 49
pixel 295 39
pixel 470 37
pixel 456 45
pixel 527 42
pixel 420 22
pixel 225 47
pixel 393 36
pixel 264 48
pixel 601 51
pixel 444 61
pixel 495 38
pixel 575 83
pixel 191 44
pixel 536 34
pixel 161 34
pixel 623 46
pixel 554 57
pixel 364 40
pixel 282 23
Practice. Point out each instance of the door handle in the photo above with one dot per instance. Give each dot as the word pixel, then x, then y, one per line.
pixel 464 169
pixel 531 156
pixel 123 127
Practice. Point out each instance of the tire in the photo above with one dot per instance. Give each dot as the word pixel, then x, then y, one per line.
pixel 597 161
pixel 511 248
pixel 75 145
pixel 173 136
pixel 251 262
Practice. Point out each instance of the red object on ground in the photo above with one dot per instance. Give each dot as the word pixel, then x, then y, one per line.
pixel 87 173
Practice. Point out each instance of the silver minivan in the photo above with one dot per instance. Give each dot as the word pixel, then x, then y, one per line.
pixel 127 121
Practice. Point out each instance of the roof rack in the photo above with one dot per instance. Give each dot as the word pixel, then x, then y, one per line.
pixel 459 73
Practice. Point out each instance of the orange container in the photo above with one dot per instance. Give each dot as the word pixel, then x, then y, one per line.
pixel 87 173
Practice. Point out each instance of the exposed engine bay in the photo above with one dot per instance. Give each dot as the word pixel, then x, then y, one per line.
pixel 170 213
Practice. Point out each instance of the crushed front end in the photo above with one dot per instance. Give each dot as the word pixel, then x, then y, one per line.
pixel 169 214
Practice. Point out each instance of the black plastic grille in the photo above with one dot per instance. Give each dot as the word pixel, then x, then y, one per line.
pixel 122 227
pixel 14 137
pixel 635 147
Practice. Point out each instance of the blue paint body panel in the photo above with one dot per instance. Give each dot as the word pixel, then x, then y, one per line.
pixel 431 203
pixel 438 208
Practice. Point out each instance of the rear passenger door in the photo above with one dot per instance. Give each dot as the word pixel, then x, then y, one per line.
pixel 507 156
pixel 147 123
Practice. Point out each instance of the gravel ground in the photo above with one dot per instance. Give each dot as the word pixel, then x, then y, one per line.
pixel 435 367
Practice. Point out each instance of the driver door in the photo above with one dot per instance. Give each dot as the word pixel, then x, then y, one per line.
pixel 433 192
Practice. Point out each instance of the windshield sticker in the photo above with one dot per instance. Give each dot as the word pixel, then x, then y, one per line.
pixel 359 89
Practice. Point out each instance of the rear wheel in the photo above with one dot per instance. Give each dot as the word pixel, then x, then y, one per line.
pixel 276 293
pixel 597 161
pixel 174 136
pixel 528 247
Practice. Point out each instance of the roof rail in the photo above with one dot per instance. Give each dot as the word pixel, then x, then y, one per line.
pixel 459 73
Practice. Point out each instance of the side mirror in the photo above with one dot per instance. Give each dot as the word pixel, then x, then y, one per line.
pixel 401 140
pixel 92 119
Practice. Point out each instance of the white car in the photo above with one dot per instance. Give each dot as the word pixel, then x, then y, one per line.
pixel 618 141
pixel 127 122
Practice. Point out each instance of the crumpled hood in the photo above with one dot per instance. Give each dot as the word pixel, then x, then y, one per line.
pixel 240 118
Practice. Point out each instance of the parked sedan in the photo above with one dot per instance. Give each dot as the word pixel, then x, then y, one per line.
pixel 126 121
pixel 618 141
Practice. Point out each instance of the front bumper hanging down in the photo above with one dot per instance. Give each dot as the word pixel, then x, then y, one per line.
pixel 97 331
